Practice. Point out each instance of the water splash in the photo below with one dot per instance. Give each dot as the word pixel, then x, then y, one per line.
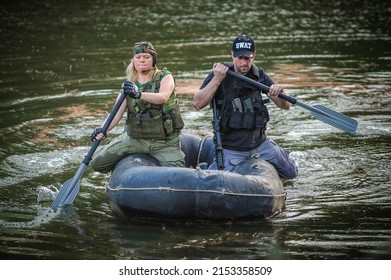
pixel 44 215
pixel 46 193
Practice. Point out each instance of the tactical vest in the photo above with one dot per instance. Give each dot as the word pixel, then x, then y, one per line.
pixel 152 121
pixel 241 105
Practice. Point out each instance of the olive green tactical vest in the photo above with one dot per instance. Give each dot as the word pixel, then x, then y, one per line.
pixel 151 121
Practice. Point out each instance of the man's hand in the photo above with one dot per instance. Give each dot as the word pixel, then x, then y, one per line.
pixel 275 90
pixel 219 71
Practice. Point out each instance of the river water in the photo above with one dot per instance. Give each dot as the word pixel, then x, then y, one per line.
pixel 61 66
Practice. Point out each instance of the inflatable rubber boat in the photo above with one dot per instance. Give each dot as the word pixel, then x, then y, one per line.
pixel 138 186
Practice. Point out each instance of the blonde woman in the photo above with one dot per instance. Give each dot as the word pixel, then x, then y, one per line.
pixel 153 119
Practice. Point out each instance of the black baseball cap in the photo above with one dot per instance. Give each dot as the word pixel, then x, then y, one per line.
pixel 243 46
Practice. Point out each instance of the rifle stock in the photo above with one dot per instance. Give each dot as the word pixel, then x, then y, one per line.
pixel 217 137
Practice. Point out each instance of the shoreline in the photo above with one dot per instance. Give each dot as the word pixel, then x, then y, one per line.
pixel 187 86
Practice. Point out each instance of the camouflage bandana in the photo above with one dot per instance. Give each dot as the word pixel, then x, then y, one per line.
pixel 144 47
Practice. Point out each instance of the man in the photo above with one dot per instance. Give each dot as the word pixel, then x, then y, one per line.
pixel 242 111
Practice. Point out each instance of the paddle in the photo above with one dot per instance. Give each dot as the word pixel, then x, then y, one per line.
pixel 320 112
pixel 71 188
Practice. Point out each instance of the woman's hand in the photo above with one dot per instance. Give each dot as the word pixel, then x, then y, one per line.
pixel 97 134
pixel 131 89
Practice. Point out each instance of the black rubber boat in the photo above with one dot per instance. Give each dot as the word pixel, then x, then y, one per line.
pixel 138 186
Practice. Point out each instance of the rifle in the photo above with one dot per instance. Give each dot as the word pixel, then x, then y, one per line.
pixel 217 137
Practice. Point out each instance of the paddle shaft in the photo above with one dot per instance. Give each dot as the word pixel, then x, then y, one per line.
pixel 70 189
pixel 266 89
pixel 105 127
pixel 322 113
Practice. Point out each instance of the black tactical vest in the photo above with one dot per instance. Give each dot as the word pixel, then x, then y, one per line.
pixel 243 114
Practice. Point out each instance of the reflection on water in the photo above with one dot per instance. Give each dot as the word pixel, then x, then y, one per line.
pixel 61 67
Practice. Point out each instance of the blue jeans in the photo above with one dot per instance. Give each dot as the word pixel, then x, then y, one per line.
pixel 268 151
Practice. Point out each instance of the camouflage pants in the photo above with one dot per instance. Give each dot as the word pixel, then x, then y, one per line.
pixel 167 152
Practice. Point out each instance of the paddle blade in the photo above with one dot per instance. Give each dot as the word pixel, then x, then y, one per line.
pixel 335 119
pixel 67 193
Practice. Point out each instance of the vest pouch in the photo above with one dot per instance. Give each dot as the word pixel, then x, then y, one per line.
pixel 248 120
pixel 147 127
pixel 177 121
pixel 168 126
pixel 235 120
pixel 261 118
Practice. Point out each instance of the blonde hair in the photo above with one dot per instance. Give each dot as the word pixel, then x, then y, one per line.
pixel 142 47
pixel 132 75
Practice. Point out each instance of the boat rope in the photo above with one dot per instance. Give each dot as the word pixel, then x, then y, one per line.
pixel 169 189
pixel 200 148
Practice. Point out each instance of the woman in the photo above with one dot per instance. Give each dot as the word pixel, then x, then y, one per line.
pixel 154 121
